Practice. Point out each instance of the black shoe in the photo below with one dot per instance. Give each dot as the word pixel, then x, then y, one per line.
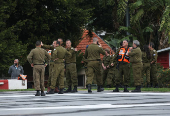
pixel 137 89
pixel 68 90
pixel 51 91
pixel 74 90
pixel 61 91
pixel 99 89
pixel 38 93
pixel 125 88
pixel 42 93
pixel 117 89
pixel 89 88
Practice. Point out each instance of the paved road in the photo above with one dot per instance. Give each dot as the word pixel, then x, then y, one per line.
pixel 106 103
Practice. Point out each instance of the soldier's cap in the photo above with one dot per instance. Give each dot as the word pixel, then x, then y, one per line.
pixel 107 50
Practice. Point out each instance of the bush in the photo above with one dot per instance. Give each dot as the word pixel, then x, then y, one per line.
pixel 163 76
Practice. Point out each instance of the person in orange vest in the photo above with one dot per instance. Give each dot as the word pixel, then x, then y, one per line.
pixel 123 66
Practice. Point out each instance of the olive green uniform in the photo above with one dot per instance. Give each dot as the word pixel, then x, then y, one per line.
pixel 136 60
pixel 50 64
pixel 37 57
pixel 92 54
pixel 113 71
pixel 146 67
pixel 106 75
pixel 153 71
pixel 123 69
pixel 58 56
pixel 71 70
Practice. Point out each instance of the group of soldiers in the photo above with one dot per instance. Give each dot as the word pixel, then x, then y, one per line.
pixel 116 67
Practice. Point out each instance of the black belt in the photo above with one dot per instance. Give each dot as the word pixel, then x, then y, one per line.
pixel 38 64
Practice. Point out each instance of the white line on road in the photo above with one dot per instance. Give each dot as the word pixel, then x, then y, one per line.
pixel 88 107
pixel 140 93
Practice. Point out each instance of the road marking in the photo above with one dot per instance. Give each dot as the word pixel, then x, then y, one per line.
pixel 140 93
pixel 88 107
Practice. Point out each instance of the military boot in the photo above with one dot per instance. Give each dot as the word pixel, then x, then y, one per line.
pixel 117 89
pixel 48 89
pixel 99 89
pixel 61 91
pixel 125 88
pixel 38 93
pixel 89 88
pixel 102 88
pixel 51 91
pixel 74 90
pixel 56 90
pixel 68 90
pixel 42 93
pixel 137 89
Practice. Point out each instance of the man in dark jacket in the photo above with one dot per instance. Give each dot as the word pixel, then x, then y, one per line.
pixel 15 70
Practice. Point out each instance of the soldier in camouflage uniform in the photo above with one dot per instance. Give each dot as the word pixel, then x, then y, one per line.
pixel 113 71
pixel 58 57
pixel 92 54
pixel 105 65
pixel 71 70
pixel 51 47
pixel 153 71
pixel 146 59
pixel 37 58
pixel 135 55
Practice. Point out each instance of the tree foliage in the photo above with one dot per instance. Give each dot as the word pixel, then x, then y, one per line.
pixel 23 22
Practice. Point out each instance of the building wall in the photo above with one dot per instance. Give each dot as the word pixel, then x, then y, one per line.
pixel 163 59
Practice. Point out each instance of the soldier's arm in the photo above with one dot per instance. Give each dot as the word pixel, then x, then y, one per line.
pixel 86 54
pixel 102 51
pixel 155 55
pixel 29 57
pixel 48 47
pixel 47 56
pixel 133 52
pixel 69 54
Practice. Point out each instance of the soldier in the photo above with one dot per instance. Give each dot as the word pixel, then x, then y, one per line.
pixel 113 71
pixel 71 70
pixel 58 57
pixel 135 55
pixel 92 54
pixel 146 59
pixel 36 58
pixel 105 65
pixel 153 71
pixel 51 47
pixel 122 65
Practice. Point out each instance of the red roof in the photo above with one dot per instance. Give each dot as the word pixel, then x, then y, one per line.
pixel 86 40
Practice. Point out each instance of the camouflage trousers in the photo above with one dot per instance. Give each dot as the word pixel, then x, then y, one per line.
pixel 137 73
pixel 113 74
pixel 71 74
pixel 57 73
pixel 124 69
pixel 146 70
pixel 107 77
pixel 38 77
pixel 50 75
pixel 153 74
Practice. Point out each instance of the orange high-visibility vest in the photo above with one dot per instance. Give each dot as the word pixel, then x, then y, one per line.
pixel 22 77
pixel 123 55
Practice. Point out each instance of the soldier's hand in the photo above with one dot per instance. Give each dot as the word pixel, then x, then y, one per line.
pixel 108 66
pixel 32 65
pixel 104 68
pixel 112 64
pixel 45 65
pixel 75 49
pixel 41 44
